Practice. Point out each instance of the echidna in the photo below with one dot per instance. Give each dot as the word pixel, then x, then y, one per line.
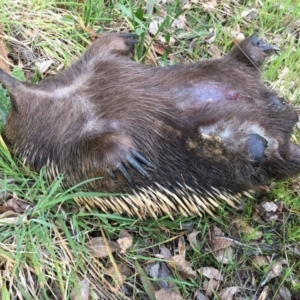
pixel 181 139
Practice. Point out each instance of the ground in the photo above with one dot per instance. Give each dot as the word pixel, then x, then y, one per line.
pixel 53 249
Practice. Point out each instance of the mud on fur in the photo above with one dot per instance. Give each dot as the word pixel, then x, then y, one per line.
pixel 179 139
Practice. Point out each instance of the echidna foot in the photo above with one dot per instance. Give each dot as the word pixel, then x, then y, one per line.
pixel 134 160
pixel 263 45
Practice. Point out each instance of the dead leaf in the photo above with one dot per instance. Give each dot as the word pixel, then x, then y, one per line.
pixel 214 51
pixel 192 238
pixel 228 293
pixel 44 66
pixel 125 243
pixel 165 252
pixel 284 293
pixel 210 6
pixel 20 206
pixel 81 293
pixel 217 240
pixel 246 229
pixel 11 217
pixel 275 271
pixel 98 248
pixel 181 246
pixel 4 209
pixel 164 294
pixel 211 273
pixel 115 275
pixel 179 263
pixel 210 286
pixel 161 273
pixel 200 296
pixel 4 61
pixel 261 261
pixel 180 22
pixel 224 256
pixel 264 293
pixel 154 25
pixel 270 206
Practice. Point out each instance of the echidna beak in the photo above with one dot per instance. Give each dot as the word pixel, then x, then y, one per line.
pixel 8 81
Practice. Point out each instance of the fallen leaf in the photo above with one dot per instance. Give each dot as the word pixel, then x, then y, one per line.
pixel 200 296
pixel 179 263
pixel 20 206
pixel 211 273
pixel 192 238
pixel 270 206
pixel 210 286
pixel 44 66
pixel 210 6
pixel 224 256
pixel 261 261
pixel 11 217
pixel 125 243
pixel 81 292
pixel 264 293
pixel 165 252
pixel 115 275
pixel 160 272
pixel 275 271
pixel 154 25
pixel 164 294
pixel 181 246
pixel 214 51
pixel 99 249
pixel 4 61
pixel 284 293
pixel 180 22
pixel 228 293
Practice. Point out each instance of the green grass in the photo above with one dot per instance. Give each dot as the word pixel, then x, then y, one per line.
pixel 44 252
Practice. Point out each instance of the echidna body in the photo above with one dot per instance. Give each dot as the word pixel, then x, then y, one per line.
pixel 179 139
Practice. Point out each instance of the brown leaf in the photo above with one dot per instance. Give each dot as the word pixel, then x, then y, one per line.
pixel 81 293
pixel 165 252
pixel 125 243
pixel 224 256
pixel 284 293
pixel 192 238
pixel 211 273
pixel 210 286
pixel 261 261
pixel 179 263
pixel 264 293
pixel 164 294
pixel 181 246
pixel 228 293
pixel 99 249
pixel 19 206
pixel 217 240
pixel 275 271
pixel 4 61
pixel 200 296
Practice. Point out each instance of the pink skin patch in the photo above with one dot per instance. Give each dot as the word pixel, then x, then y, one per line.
pixel 213 92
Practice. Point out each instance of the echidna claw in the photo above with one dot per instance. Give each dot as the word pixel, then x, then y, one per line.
pixel 121 168
pixel 136 165
pixel 142 158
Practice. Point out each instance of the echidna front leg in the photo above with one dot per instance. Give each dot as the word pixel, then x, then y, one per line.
pixel 108 45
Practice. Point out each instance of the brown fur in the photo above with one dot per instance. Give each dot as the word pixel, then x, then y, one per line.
pixel 192 122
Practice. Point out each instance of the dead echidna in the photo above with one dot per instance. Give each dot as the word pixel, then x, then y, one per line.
pixel 177 139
